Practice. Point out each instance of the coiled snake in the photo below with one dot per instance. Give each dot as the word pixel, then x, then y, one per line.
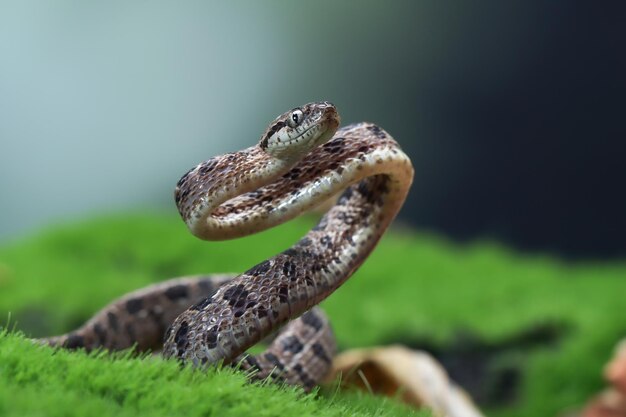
pixel 301 161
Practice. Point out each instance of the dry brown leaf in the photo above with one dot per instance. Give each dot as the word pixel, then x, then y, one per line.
pixel 615 371
pixel 413 376
pixel 611 402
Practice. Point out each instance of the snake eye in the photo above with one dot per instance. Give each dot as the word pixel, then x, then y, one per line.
pixel 295 118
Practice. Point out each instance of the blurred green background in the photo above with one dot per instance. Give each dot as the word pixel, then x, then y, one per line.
pixel 511 111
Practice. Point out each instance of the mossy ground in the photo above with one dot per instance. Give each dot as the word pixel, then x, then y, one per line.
pixel 414 288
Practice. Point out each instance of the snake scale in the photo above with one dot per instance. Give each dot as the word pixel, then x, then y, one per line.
pixel 302 160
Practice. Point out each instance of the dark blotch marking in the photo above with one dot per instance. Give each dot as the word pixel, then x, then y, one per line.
pixel 259 269
pixel 291 252
pixel 364 189
pixel 345 197
pixel 377 131
pixel 273 359
pixel 177 292
pixel 270 132
pixel 180 338
pixel 236 296
pixel 74 341
pixel 289 270
pixel 294 174
pixel 346 218
pixel 231 292
pixel 112 318
pixel 283 294
pixel 334 146
pixel 372 190
pixel 202 304
pixel 211 338
pixel 207 166
pixel 134 305
pixel 261 312
pixel 253 363
pixel 309 318
pixel 292 344
pixel 304 377
pixel 100 332
pixel 182 179
pixel 319 351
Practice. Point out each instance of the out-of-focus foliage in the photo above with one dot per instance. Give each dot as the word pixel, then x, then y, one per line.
pixel 511 111
pixel 545 325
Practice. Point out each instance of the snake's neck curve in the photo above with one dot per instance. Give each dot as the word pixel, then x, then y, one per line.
pixel 213 183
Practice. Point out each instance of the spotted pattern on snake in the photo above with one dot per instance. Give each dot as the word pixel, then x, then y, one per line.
pixel 302 160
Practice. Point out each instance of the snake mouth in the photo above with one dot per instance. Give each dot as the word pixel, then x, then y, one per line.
pixel 304 133
pixel 325 126
pixel 324 130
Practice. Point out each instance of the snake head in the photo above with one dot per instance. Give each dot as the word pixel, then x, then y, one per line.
pixel 296 132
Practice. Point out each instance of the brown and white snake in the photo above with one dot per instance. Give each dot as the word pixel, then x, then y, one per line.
pixel 301 161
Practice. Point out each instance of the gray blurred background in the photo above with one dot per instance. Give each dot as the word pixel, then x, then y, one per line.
pixel 513 112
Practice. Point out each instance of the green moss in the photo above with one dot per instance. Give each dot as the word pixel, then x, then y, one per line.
pixel 414 288
pixel 36 381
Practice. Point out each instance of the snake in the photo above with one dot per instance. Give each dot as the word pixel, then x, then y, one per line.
pixel 302 160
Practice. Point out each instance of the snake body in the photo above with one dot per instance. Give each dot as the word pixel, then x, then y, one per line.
pixel 301 161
